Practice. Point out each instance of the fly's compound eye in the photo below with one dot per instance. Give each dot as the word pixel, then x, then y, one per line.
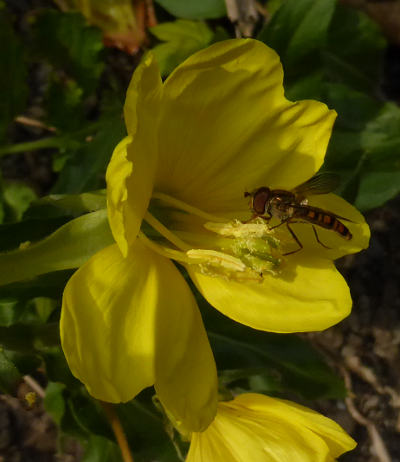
pixel 260 199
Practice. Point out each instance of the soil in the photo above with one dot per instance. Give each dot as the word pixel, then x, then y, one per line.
pixel 365 347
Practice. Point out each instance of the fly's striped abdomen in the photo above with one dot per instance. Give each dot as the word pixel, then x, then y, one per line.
pixel 322 218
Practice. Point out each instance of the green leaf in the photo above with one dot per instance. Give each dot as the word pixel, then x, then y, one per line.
pixel 9 374
pixel 13 75
pixel 54 401
pixel 47 285
pixel 376 188
pixel 10 311
pixel 354 51
pixel 70 44
pixel 85 167
pixel 57 369
pixel 29 338
pixel 183 38
pixel 381 137
pixel 299 368
pixel 26 362
pixel 298 29
pixel 13 234
pixel 100 449
pixel 88 414
pixel 64 105
pixel 311 86
pixel 42 307
pixel 67 204
pixel 195 9
pixel 364 147
pixel 290 364
pixel 145 428
pixel 68 247
pixel 17 196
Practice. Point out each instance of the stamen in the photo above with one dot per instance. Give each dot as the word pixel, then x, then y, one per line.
pixel 221 259
pixel 167 252
pixel 231 250
pixel 165 232
pixel 219 264
pixel 184 206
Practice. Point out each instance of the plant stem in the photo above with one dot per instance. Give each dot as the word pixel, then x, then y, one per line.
pixel 53 142
pixel 118 431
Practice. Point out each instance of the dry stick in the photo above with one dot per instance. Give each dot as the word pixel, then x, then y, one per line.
pixel 354 364
pixel 377 442
pixel 243 15
pixel 375 437
pixel 151 14
pixel 28 121
pixel 34 385
pixel 118 431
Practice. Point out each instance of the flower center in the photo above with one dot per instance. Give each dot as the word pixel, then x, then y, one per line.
pixel 229 249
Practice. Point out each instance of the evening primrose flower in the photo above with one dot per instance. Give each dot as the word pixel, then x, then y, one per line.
pixel 263 429
pixel 217 127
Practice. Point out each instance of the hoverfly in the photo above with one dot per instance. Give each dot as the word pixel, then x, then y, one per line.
pixel 292 207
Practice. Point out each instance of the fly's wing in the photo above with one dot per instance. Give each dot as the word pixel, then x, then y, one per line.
pixel 323 183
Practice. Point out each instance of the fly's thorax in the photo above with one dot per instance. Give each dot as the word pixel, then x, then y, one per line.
pixel 280 208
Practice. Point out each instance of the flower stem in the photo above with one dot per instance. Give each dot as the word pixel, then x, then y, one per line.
pixel 118 431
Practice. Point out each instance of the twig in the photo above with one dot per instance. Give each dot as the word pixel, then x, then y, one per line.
pixel 62 5
pixel 23 120
pixel 378 445
pixel 118 431
pixel 151 14
pixel 34 385
pixel 354 364
pixel 243 15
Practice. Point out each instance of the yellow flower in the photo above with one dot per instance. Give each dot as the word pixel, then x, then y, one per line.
pixel 258 428
pixel 218 126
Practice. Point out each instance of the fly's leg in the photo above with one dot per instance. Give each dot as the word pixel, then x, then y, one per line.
pixel 287 221
pixel 256 215
pixel 294 237
pixel 317 238
pixel 268 218
pixel 279 224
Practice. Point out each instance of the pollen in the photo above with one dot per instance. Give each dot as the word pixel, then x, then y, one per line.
pixel 230 250
pixel 252 244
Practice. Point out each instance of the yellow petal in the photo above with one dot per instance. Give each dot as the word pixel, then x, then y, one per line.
pixel 130 174
pixel 186 376
pixel 334 436
pixel 256 427
pixel 128 323
pixel 226 127
pixel 308 295
pixel 338 245
pixel 107 324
